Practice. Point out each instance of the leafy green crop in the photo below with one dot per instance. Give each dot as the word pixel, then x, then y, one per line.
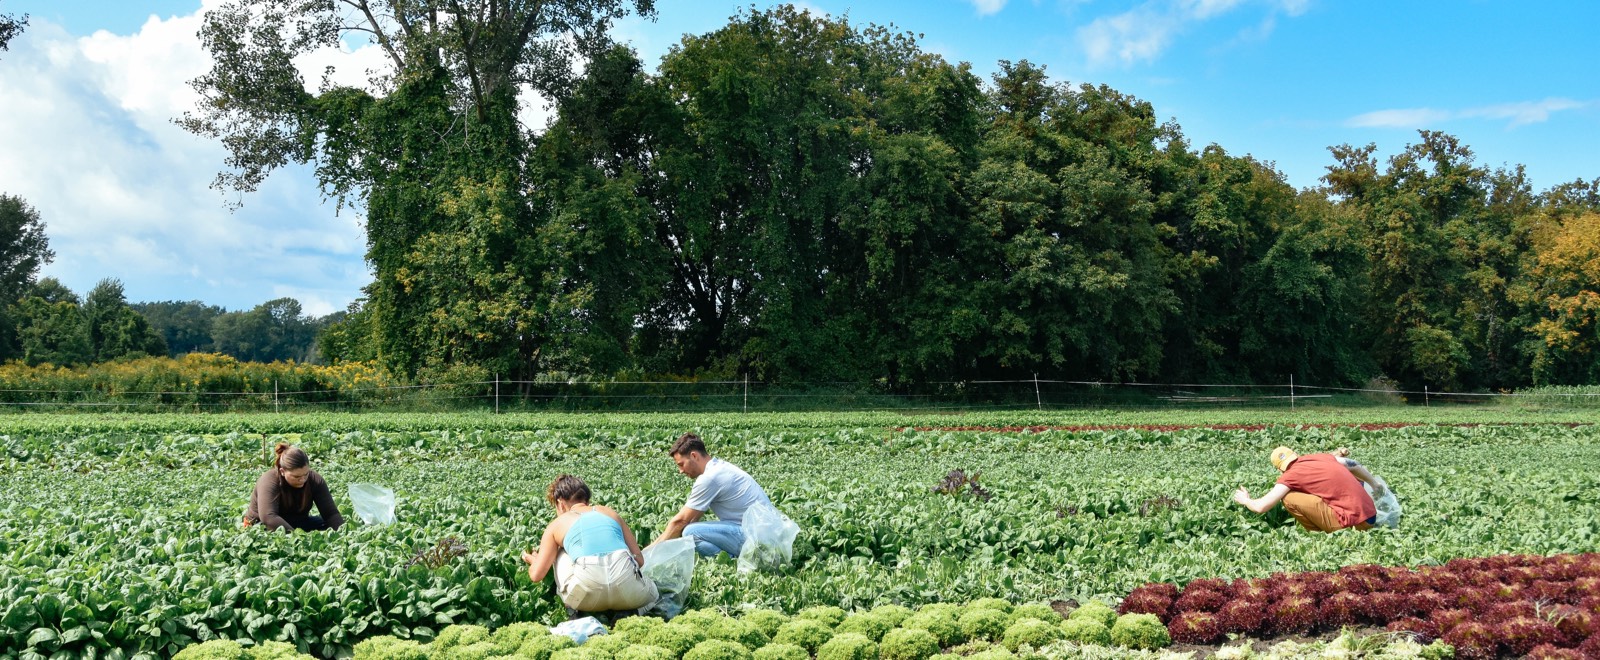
pixel 121 536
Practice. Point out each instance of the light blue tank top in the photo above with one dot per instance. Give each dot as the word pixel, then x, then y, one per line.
pixel 593 533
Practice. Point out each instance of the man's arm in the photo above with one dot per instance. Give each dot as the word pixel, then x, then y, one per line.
pixel 1360 471
pixel 675 526
pixel 1265 502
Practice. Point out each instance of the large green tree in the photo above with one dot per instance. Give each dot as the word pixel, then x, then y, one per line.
pixel 24 248
pixel 1442 237
pixel 114 329
pixel 185 326
pixel 274 330
pixel 433 150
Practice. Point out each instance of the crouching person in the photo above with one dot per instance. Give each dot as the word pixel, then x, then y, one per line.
pixel 1322 491
pixel 283 495
pixel 593 553
pixel 719 487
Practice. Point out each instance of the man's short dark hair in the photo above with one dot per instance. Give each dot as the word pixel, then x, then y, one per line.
pixel 687 443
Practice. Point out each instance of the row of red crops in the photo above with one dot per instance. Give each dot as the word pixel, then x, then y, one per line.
pixel 1509 605
pixel 1167 428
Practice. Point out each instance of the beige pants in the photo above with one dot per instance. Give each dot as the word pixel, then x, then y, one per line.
pixel 602 582
pixel 1314 514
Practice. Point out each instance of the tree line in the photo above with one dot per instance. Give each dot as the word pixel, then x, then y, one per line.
pixel 42 321
pixel 800 199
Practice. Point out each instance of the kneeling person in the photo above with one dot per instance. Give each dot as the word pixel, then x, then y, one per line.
pixel 719 487
pixel 1322 491
pixel 595 556
pixel 284 494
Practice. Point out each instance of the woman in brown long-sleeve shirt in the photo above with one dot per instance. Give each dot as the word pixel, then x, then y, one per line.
pixel 284 495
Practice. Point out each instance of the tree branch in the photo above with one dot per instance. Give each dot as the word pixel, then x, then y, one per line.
pixel 377 30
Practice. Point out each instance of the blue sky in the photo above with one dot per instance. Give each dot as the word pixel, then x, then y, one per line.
pixel 87 92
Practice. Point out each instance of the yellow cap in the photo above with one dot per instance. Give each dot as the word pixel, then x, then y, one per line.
pixel 1282 457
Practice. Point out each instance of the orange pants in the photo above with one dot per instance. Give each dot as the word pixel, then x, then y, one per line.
pixel 1314 514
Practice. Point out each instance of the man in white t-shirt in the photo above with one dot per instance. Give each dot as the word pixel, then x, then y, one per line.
pixel 719 487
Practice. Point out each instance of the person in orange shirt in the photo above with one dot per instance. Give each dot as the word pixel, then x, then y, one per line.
pixel 1322 491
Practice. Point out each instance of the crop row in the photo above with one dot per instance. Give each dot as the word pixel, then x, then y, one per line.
pixel 104 547
pixel 1511 605
pixel 988 629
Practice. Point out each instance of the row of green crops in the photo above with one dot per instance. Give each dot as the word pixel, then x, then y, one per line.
pixel 112 538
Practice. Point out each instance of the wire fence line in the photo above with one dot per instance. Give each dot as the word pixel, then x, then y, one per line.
pixel 755 396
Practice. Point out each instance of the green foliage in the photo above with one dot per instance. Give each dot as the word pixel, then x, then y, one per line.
pixel 216 649
pixel 512 636
pixel 808 634
pixel 274 651
pixel 894 614
pixel 543 647
pixel 388 647
pixel 1095 610
pixel 983 623
pixel 675 637
pixel 740 631
pixel 1086 631
pixel 872 625
pixel 458 635
pixel 98 501
pixel 718 649
pixel 704 619
pixel 1030 632
pixel 908 644
pixel 848 646
pixel 606 643
pixel 998 604
pixel 830 615
pixel 767 621
pixel 1038 611
pixel 941 622
pixel 482 650
pixel 781 652
pixel 1140 631
pixel 634 628
pixel 583 652
pixel 645 652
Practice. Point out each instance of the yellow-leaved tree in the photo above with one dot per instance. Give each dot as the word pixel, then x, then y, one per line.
pixel 1561 289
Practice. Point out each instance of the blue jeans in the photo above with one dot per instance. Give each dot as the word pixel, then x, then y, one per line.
pixel 714 536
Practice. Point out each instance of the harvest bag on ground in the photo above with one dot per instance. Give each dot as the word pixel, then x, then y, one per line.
pixel 1388 506
pixel 374 504
pixel 669 564
pixel 768 539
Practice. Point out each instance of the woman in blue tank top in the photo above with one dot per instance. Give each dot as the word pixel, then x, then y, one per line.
pixel 593 551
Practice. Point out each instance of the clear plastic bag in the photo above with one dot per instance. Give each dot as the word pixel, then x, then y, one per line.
pixel 669 564
pixel 1388 506
pixel 374 504
pixel 580 630
pixel 768 539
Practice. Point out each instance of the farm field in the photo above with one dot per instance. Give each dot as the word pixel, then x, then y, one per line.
pixel 118 535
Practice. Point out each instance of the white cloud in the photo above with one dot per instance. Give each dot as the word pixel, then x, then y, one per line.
pixel 1517 114
pixel 1143 33
pixel 1399 118
pixel 1138 35
pixel 1527 112
pixel 988 7
pixel 88 141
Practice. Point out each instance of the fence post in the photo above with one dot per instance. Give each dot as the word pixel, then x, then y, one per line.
pixel 1291 391
pixel 1427 399
pixel 747 392
pixel 275 407
pixel 1036 400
